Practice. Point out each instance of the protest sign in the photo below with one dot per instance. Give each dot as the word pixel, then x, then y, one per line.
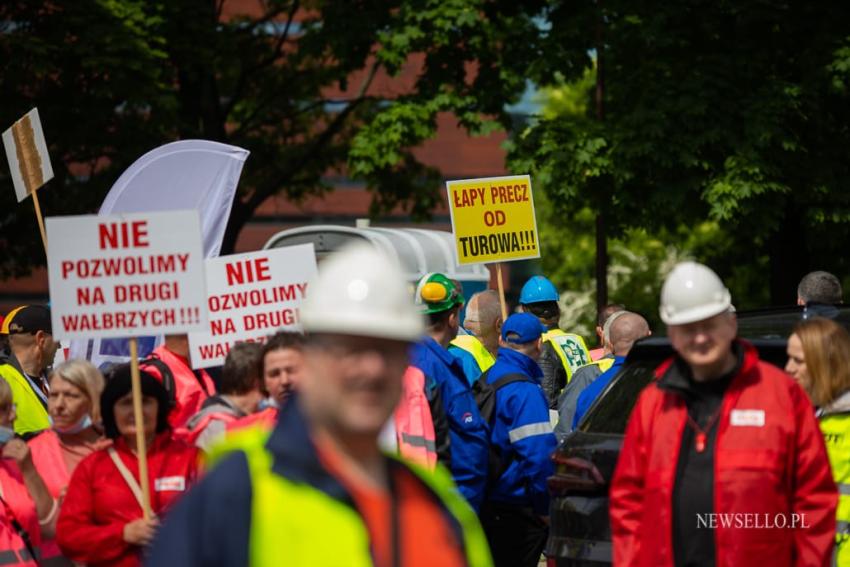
pixel 126 275
pixel 250 297
pixel 493 219
pixel 29 162
pixel 26 150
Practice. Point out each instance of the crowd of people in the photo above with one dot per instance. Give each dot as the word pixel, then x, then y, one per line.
pixel 399 430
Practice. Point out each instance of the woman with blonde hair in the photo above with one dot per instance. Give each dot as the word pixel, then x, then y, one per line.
pixel 73 406
pixel 819 359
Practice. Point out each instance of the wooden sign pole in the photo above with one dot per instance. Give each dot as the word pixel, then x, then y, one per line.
pixel 40 219
pixel 141 445
pixel 501 292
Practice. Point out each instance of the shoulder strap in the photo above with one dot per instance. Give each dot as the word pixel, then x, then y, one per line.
pixel 131 481
pixel 19 529
pixel 509 379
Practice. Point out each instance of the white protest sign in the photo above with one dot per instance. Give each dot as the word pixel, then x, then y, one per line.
pixel 126 275
pixel 250 297
pixel 26 151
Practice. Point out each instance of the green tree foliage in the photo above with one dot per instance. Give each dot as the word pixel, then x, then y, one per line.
pixel 116 78
pixel 733 112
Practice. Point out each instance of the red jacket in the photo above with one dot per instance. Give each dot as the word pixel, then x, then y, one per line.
pixel 189 393
pixel 769 460
pixel 99 503
pixel 18 506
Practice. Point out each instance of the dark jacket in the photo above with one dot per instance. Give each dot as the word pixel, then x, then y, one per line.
pixel 554 374
pixel 211 525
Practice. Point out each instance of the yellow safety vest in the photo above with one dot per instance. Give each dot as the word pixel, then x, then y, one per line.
pixel 603 363
pixel 31 413
pixel 570 349
pixel 836 433
pixel 473 346
pixel 296 524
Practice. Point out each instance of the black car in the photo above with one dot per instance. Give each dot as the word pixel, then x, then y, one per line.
pixel 580 533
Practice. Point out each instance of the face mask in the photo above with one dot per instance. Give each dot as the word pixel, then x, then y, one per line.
pixel 76 428
pixel 266 403
pixel 6 434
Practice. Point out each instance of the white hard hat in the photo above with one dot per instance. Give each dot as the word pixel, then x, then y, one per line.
pixel 361 291
pixel 692 292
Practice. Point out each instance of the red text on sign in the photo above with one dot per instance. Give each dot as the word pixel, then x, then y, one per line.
pixel 469 197
pixel 509 194
pixel 248 271
pixel 132 234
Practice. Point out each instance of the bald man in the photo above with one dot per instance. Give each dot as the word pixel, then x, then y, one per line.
pixel 477 349
pixel 625 330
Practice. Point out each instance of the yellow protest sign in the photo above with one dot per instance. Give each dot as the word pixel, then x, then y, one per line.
pixel 493 219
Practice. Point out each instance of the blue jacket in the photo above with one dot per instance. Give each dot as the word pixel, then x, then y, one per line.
pixel 589 394
pixel 470 367
pixel 466 436
pixel 522 433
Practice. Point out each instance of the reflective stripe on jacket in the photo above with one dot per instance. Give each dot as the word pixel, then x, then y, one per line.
pixel 413 423
pixel 836 433
pixel 570 349
pixel 521 431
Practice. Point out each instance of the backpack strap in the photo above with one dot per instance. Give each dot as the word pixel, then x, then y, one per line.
pixel 509 379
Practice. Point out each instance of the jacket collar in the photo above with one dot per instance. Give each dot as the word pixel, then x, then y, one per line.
pixel 296 457
pixel 675 374
pixel 525 364
pixel 839 405
pixel 436 349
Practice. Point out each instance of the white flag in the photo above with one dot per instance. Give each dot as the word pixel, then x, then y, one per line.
pixel 189 174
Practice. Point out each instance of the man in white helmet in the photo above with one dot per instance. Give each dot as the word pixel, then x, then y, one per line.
pixel 723 462
pixel 317 490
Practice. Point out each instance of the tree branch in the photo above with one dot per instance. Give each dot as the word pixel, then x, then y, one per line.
pixel 245 73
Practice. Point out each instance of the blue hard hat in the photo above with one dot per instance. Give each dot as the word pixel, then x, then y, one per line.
pixel 538 289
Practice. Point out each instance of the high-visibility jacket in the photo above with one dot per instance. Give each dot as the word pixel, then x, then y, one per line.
pixel 414 425
pixel 835 426
pixel 264 419
pixel 48 460
pixel 30 408
pixel 191 390
pixel 271 499
pixel 16 505
pixel 472 346
pixel 570 348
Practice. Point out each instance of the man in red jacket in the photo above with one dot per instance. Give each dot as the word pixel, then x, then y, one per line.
pixel 723 462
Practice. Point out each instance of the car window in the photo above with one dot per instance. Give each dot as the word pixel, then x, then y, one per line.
pixel 611 412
